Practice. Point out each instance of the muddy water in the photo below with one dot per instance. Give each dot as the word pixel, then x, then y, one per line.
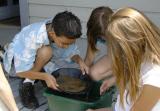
pixel 70 84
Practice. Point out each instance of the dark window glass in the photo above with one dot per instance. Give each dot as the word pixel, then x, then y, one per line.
pixel 3 3
pixel 15 2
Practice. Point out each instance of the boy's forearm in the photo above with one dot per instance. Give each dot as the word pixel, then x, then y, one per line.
pixel 84 68
pixel 33 75
pixel 76 58
pixel 49 79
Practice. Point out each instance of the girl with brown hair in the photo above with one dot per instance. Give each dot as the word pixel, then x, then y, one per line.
pixel 96 26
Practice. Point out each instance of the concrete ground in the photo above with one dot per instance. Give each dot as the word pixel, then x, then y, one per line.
pixel 8 28
pixel 7 33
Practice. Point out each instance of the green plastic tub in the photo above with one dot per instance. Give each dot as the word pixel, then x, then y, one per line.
pixel 60 103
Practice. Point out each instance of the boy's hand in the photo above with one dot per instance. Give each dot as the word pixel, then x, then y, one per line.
pixel 107 84
pixel 51 82
pixel 84 68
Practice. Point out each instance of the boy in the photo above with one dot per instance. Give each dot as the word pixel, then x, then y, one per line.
pixel 35 45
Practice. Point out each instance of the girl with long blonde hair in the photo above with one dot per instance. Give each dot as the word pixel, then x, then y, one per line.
pixel 134 48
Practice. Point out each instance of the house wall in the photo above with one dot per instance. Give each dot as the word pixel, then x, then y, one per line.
pixel 24 12
pixel 42 9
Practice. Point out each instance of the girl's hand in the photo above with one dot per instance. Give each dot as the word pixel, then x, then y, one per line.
pixel 107 84
pixel 51 82
pixel 84 68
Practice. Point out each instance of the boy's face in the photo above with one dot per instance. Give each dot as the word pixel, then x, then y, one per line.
pixel 62 41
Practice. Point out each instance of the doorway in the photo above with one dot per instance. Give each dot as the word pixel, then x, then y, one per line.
pixel 9 12
pixel 9 20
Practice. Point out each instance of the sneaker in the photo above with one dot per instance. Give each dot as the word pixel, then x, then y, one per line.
pixel 27 96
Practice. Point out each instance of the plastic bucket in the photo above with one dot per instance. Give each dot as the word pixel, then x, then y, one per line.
pixel 59 102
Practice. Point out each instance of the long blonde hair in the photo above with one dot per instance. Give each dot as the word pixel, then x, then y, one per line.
pixel 133 39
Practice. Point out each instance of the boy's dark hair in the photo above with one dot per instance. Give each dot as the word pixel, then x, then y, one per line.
pixel 67 24
pixel 97 24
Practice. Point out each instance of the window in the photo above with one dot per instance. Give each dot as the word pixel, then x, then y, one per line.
pixel 3 3
pixel 15 2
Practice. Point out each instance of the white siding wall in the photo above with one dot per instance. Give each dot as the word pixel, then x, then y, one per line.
pixel 41 9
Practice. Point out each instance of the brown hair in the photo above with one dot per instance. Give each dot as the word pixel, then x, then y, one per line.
pixel 133 39
pixel 97 24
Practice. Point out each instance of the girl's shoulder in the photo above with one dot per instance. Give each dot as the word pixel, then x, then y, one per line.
pixel 150 74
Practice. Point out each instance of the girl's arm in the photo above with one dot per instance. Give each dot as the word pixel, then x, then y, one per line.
pixel 6 93
pixel 148 98
pixel 90 55
pixel 107 83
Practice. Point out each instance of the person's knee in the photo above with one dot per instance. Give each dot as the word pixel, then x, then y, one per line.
pixel 94 74
pixel 45 52
pixel 99 74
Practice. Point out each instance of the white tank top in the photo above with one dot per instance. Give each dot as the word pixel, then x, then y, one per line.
pixel 150 75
